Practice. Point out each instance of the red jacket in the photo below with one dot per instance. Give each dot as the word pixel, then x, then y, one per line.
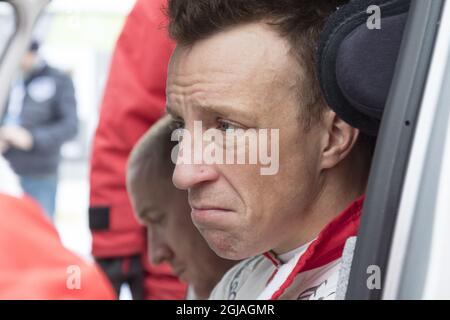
pixel 33 262
pixel 134 99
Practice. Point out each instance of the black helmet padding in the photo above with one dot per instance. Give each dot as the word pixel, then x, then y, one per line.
pixel 356 64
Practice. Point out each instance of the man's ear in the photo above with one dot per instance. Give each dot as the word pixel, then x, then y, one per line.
pixel 338 141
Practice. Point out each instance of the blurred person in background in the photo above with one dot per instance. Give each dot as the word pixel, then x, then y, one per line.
pixel 34 263
pixel 40 117
pixel 165 211
pixel 134 99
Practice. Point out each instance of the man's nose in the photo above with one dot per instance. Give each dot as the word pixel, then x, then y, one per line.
pixel 192 170
pixel 187 176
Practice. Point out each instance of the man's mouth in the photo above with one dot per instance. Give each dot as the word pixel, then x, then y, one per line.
pixel 205 209
pixel 208 208
pixel 208 215
pixel 199 205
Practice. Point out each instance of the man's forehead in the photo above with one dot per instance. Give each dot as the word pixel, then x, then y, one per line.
pixel 240 50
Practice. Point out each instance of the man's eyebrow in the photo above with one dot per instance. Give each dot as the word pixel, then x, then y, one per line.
pixel 223 110
pixel 232 111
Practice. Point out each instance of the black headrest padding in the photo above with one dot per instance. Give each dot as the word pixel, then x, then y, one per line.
pixel 356 64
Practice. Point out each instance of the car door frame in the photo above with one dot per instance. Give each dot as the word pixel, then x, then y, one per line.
pixel 392 153
pixel 27 13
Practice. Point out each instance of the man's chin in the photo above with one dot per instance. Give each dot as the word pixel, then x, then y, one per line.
pixel 224 246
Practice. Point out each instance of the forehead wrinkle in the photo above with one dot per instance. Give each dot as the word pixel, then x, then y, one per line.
pixel 188 83
pixel 206 93
pixel 225 81
pixel 269 70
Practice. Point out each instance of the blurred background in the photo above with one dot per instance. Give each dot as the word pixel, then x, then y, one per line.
pixel 77 37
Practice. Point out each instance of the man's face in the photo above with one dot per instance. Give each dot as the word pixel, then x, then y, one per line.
pixel 174 239
pixel 245 78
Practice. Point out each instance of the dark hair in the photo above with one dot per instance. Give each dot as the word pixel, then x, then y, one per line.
pixel 299 21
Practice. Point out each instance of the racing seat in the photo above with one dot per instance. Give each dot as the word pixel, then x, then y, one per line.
pixel 355 67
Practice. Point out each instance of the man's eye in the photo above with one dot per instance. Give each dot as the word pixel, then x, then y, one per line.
pixel 177 124
pixel 156 220
pixel 225 125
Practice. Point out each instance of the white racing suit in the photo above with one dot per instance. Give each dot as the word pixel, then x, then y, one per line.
pixel 310 272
